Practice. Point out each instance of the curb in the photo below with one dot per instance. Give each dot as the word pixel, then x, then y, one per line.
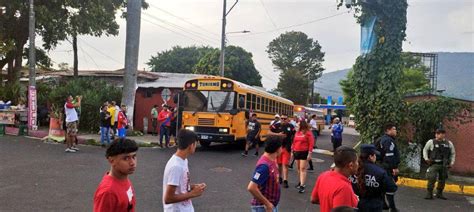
pixel 452 188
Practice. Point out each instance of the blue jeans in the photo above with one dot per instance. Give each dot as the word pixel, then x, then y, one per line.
pixel 122 132
pixel 104 135
pixel 261 208
pixel 164 132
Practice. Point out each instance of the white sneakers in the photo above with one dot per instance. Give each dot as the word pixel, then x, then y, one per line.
pixel 70 150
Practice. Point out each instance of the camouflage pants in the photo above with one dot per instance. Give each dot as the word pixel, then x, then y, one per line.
pixel 436 171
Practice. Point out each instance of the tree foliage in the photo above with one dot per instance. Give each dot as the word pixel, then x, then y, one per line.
pixel 377 75
pixel 238 65
pixel 294 52
pixel 291 88
pixel 178 59
pixel 426 116
pixel 414 78
pixel 91 101
pixel 55 21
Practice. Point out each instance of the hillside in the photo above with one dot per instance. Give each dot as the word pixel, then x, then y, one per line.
pixel 455 76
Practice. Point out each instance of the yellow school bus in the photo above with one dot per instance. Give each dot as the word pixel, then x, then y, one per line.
pixel 217 108
pixel 308 112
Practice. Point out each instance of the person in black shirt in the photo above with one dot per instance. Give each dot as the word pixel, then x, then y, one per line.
pixel 104 126
pixel 253 133
pixel 287 131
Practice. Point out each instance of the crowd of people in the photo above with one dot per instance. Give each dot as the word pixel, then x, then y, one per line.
pixel 363 181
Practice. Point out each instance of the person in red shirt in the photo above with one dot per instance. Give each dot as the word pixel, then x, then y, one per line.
pixel 164 117
pixel 333 188
pixel 122 122
pixel 302 148
pixel 115 192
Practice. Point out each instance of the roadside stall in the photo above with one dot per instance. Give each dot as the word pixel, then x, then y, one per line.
pixel 13 119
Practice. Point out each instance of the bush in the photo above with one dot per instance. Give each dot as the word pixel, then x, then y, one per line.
pixel 94 93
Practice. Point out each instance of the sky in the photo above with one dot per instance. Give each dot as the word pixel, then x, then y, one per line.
pixel 432 26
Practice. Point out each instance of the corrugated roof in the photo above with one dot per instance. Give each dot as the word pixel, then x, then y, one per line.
pixel 169 80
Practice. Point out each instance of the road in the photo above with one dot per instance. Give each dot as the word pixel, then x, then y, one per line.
pixel 37 176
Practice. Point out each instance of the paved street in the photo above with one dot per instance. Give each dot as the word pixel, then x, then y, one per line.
pixel 38 176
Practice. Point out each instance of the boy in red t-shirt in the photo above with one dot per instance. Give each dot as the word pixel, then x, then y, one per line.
pixel 164 117
pixel 333 188
pixel 115 192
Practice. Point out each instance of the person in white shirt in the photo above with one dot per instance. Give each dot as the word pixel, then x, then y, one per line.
pixel 177 189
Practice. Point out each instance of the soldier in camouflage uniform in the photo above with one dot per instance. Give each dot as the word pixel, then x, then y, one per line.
pixel 439 153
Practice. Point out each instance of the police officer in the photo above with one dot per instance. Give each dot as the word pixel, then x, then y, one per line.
pixel 439 153
pixel 389 159
pixel 371 182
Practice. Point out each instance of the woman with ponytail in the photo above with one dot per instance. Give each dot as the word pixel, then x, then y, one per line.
pixel 371 182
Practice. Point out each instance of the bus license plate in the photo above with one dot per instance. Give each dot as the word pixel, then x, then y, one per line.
pixel 204 137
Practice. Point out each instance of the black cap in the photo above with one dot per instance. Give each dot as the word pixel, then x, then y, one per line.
pixel 440 131
pixel 369 149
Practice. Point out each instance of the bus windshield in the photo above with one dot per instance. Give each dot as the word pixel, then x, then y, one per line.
pixel 209 101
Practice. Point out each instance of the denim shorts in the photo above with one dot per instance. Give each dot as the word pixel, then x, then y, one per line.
pixel 261 208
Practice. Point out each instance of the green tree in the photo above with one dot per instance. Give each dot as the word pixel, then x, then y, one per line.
pixel 377 75
pixel 178 59
pixel 290 87
pixel 295 51
pixel 238 65
pixel 414 78
pixel 55 21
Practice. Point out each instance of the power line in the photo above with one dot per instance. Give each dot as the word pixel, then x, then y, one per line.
pixel 263 73
pixel 197 34
pixel 291 26
pixel 268 14
pixel 173 31
pixel 84 52
pixel 182 19
pixel 100 52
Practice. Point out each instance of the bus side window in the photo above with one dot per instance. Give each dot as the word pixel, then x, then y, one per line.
pixel 249 101
pixel 258 103
pixel 254 99
pixel 241 102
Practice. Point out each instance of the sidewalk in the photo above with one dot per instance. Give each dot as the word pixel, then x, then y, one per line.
pixel 145 140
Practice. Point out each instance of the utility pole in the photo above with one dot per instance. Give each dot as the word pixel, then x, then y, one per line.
pixel 224 22
pixel 222 56
pixel 131 57
pixel 32 72
pixel 32 49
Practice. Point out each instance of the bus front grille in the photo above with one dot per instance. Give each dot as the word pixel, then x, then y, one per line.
pixel 206 121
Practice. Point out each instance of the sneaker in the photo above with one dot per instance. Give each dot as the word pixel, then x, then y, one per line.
pixel 244 154
pixel 70 150
pixel 285 183
pixel 74 148
pixel 310 170
pixel 256 154
pixel 298 186
pixel 280 180
pixel 301 189
pixel 290 167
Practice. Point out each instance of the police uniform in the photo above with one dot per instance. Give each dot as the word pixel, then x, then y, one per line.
pixel 377 183
pixel 389 154
pixel 440 154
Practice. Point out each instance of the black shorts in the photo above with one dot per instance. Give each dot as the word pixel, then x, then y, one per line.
pixel 252 140
pixel 300 155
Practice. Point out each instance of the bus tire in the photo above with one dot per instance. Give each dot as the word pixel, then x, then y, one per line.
pixel 205 143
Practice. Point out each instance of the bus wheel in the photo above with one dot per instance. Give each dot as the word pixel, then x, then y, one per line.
pixel 205 143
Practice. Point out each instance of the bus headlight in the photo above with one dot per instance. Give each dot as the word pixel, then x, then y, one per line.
pixel 189 128
pixel 223 130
